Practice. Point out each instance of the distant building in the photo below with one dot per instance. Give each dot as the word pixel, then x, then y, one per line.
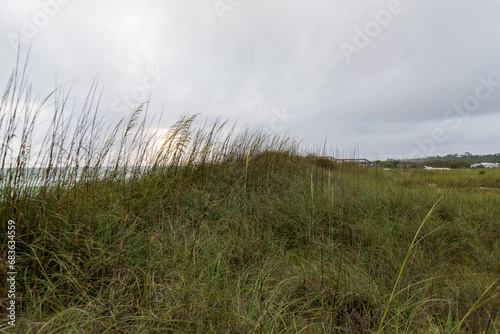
pixel 486 165
pixel 435 168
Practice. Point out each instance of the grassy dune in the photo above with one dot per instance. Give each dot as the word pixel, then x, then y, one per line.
pixel 205 230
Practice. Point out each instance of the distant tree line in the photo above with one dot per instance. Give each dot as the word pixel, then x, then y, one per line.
pixel 453 161
pixel 397 164
pixel 453 164
pixel 467 157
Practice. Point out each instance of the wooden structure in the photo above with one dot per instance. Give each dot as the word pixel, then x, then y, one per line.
pixel 361 162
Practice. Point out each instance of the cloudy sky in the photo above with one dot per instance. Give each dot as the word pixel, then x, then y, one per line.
pixel 386 78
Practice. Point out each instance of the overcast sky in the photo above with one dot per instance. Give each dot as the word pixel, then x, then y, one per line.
pixel 386 78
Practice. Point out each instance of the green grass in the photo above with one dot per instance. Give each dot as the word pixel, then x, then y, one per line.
pixel 227 232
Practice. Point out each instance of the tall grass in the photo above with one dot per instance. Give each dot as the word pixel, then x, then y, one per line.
pixel 132 229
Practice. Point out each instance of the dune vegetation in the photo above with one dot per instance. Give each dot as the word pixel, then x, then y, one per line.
pixel 206 229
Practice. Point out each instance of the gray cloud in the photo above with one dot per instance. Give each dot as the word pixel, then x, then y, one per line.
pixel 265 56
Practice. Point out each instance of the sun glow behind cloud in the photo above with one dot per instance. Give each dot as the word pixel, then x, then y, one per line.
pixel 168 146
